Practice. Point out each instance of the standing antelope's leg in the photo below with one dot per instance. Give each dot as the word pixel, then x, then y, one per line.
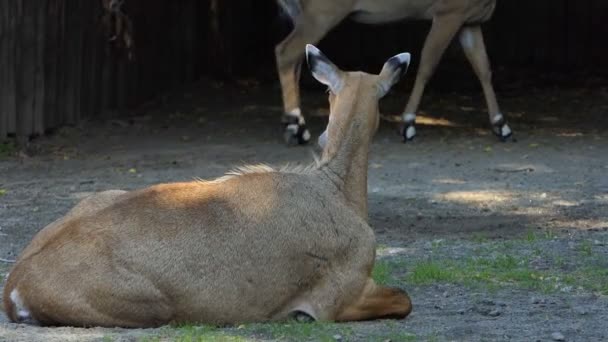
pixel 377 302
pixel 443 29
pixel 308 29
pixel 471 39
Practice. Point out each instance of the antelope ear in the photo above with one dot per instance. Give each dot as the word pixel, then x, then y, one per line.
pixel 392 71
pixel 323 69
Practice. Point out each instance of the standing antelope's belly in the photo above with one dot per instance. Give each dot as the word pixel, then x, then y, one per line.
pixel 386 11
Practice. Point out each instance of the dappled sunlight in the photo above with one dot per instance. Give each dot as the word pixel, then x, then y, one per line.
pixel 522 168
pixel 449 181
pixel 422 120
pixel 428 121
pixel 384 251
pixel 581 224
pixel 478 197
pixel 602 198
pixel 570 134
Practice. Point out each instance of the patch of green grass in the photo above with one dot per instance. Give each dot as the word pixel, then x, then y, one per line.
pixel 295 331
pixel 382 272
pixel 498 265
pixel 531 236
pixel 586 248
pixel 429 272
pixel 395 336
pixel 189 333
pixel 479 238
pixel 7 149
pixel 593 278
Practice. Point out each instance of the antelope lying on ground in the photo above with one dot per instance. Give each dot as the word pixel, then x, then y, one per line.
pixel 257 245
pixel 312 19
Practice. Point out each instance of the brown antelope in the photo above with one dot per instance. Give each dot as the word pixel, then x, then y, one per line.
pixel 312 19
pixel 256 245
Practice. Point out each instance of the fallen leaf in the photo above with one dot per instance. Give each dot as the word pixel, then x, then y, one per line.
pixel 534 145
pixel 2 192
pixel 376 166
pixel 488 149
pixel 133 170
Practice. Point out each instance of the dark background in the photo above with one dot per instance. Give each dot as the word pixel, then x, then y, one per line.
pixel 56 66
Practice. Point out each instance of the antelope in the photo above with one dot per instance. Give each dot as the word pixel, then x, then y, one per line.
pixel 312 19
pixel 259 244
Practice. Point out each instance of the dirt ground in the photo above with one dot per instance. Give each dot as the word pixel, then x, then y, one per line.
pixel 493 241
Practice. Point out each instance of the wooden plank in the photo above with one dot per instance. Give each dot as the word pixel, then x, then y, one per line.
pixel 10 105
pixel 25 69
pixel 51 65
pixel 3 66
pixel 38 126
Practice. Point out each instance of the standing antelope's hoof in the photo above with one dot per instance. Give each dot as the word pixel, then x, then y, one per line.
pixel 407 132
pixel 502 130
pixel 296 132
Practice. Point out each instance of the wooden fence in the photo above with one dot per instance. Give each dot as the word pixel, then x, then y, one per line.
pixel 56 66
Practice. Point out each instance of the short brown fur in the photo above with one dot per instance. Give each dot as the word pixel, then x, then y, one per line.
pixel 313 19
pixel 258 245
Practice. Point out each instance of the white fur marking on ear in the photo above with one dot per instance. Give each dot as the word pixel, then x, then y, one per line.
pixel 404 58
pixel 322 69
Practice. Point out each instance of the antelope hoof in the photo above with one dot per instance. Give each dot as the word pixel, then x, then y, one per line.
pixel 408 132
pixel 501 129
pixel 295 133
pixel 302 317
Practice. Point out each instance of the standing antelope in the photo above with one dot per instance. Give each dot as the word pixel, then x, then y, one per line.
pixel 257 245
pixel 312 19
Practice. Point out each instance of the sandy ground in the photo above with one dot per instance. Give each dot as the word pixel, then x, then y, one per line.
pixel 455 199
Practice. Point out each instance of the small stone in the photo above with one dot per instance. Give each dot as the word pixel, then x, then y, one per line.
pixel 535 300
pixel 494 313
pixel 581 312
pixel 461 311
pixel 488 302
pixel 446 294
pixel 556 336
pixel 338 337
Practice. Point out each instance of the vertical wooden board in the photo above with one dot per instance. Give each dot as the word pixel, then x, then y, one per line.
pixel 26 61
pixel 3 66
pixel 599 33
pixel 10 105
pixel 39 81
pixel 51 65
pixel 62 63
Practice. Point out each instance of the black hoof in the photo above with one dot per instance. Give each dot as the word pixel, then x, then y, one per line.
pixel 502 130
pixel 295 133
pixel 302 317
